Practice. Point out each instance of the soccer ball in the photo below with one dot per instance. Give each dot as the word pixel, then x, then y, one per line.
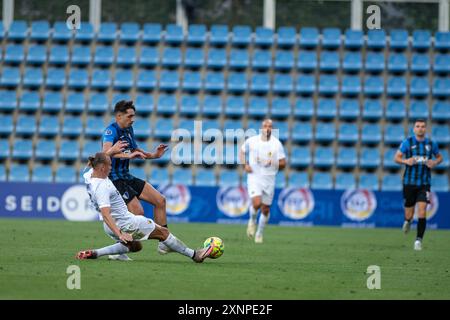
pixel 217 245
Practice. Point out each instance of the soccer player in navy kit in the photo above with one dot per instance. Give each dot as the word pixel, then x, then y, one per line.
pixel 418 151
pixel 133 189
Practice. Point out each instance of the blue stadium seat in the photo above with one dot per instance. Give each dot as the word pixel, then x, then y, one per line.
pixel 81 55
pixel 60 32
pixel 72 127
pixel 171 57
pixel 262 60
pixel 149 57
pixel 260 83
pixel 328 84
pixel 307 60
pixel 189 105
pixel 395 110
pixel 212 105
pixel 348 133
pixel 354 39
pixel 142 128
pixel 205 178
pixel 40 30
pixel 306 84
pixel 66 174
pixel 18 30
pixel 235 106
pixel 49 126
pixel 98 103
pixel 166 104
pixel 75 103
pixel 281 108
pixel 26 125
pixel 352 62
pixel 89 148
pixel 253 125
pixel 101 79
pixel 326 109
pixel 78 79
pixel 174 34
pixel 441 87
pixel 373 86
pixel 298 179
pixel 396 86
pixel 394 134
pixel 309 37
pixel 8 101
pixel 214 82
pixel 345 181
pixel 45 150
pixel 368 181
pixel 347 157
pixel 442 40
pixel 209 124
pixel 124 79
pixel 126 56
pixel 69 150
pixel 237 82
pixel 103 56
pixel 349 109
pixel 144 104
pixel 159 176
pixel 283 131
pixel 287 37
pixel 163 128
pixel 300 157
pixel 146 80
pixel 95 126
pixel 420 63
pixel 398 39
pixel 440 183
pixel 2 35
pixel 22 149
pixel 325 132
pixel 374 62
pixel 229 178
pixel 37 54
pixel 351 85
pixel 107 32
pixel 441 111
pixel 283 84
pixel 182 176
pixel 10 77
pixel 151 33
pixel 440 134
pixel 192 81
pixel 419 87
pixel 391 182
pixel 14 54
pixel 376 39
pixel 280 180
pixel 56 78
pixel 196 34
pixel 85 33
pixel 445 164
pixel 322 180
pixel 58 55
pixel 397 63
pixel 219 35
pixel 241 35
pixel 52 102
pixel 421 39
pixel 169 81
pixel 194 58
pixel 187 124
pixel 284 60
pixel 129 32
pixel 258 107
pixel 30 101
pixel 19 173
pixel 138 171
pixel 442 63
pixel 329 61
pixel 32 78
pixel 4 152
pixel 370 158
pixel 388 158
pixel 418 109
pixel 371 133
pixel 331 38
pixel 264 37
pixel 304 108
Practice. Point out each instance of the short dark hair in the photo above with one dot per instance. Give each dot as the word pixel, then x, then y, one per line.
pixel 123 106
pixel 97 159
pixel 420 120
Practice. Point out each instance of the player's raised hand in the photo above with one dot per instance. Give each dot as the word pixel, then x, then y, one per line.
pixel 410 161
pixel 125 237
pixel 431 164
pixel 137 154
pixel 160 150
pixel 118 147
pixel 248 169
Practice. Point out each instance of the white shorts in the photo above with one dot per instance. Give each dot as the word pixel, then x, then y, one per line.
pixel 261 186
pixel 139 227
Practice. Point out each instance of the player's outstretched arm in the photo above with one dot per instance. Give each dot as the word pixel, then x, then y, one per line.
pixel 107 218
pixel 108 146
pixel 117 148
pixel 282 164
pixel 159 152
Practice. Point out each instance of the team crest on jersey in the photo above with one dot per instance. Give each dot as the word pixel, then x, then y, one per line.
pixel 432 207
pixel 358 205
pixel 428 147
pixel 233 201
pixel 108 132
pixel 178 197
pixel 126 196
pixel 296 203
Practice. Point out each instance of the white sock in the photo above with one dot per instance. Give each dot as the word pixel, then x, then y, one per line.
pixel 117 248
pixel 253 214
pixel 176 245
pixel 262 223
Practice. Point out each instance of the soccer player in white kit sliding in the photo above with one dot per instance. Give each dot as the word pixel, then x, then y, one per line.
pixel 121 225
pixel 266 156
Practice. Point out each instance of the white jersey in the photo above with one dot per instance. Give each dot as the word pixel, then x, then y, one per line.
pixel 103 194
pixel 263 156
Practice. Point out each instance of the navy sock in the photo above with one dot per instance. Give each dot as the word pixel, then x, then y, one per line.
pixel 421 226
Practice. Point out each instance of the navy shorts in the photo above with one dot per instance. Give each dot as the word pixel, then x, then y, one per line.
pixel 129 188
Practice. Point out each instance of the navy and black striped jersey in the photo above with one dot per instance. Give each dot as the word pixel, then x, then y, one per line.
pixel 418 174
pixel 120 167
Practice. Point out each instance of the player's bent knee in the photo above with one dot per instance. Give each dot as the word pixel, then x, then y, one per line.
pixel 160 233
pixel 161 202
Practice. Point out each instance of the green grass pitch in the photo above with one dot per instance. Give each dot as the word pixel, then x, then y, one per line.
pixel 293 263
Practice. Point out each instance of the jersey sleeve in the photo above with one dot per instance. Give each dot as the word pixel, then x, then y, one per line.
pixel 404 147
pixel 109 135
pixel 102 196
pixel 435 148
pixel 281 154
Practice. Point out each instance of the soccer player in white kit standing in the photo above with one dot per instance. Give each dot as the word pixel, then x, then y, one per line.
pixel 262 155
